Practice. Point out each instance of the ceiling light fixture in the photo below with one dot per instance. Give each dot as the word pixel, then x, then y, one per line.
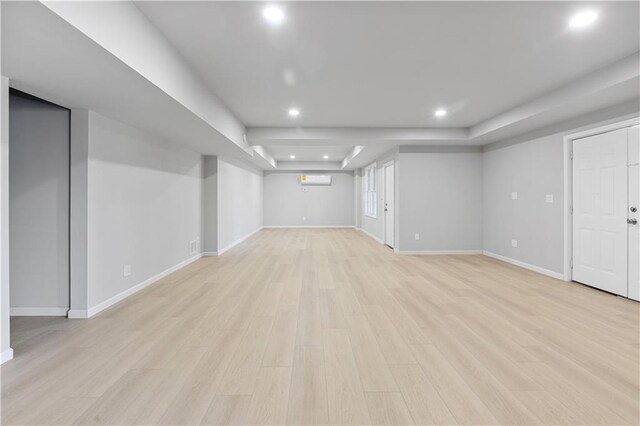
pixel 273 14
pixel 293 157
pixel 583 19
pixel 294 112
pixel 441 112
pixel 325 157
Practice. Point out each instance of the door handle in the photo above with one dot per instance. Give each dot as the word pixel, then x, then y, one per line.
pixel 632 221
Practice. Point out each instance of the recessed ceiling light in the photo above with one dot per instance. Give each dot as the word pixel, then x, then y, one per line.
pixel 325 156
pixel 294 112
pixel 441 112
pixel 583 19
pixel 292 157
pixel 273 14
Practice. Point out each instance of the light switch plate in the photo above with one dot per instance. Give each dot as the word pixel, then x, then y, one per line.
pixel 548 198
pixel 514 195
pixel 514 243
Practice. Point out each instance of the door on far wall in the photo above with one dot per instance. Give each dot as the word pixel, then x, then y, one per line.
pixel 38 206
pixel 389 206
pixel 634 205
pixel 600 226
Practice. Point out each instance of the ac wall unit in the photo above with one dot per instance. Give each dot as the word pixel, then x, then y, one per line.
pixel 315 179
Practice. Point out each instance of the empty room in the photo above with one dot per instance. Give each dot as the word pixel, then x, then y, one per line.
pixel 319 212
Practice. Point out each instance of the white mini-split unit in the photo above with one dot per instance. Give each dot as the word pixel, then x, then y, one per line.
pixel 315 180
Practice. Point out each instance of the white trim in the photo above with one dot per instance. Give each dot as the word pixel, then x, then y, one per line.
pixel 80 313
pixel 307 226
pixel 435 252
pixel 6 355
pixel 38 312
pixel 209 253
pixel 235 243
pixel 547 272
pixel 77 314
pixel 604 129
pixel 568 184
pixel 389 163
pixel 378 240
pixel 567 223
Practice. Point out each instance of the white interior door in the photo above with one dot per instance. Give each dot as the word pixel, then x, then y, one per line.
pixel 389 220
pixel 600 203
pixel 634 205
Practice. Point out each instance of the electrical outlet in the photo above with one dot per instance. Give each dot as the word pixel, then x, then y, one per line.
pixel 304 218
pixel 548 198
pixel 193 247
pixel 514 243
pixel 417 237
pixel 514 195
pixel 127 270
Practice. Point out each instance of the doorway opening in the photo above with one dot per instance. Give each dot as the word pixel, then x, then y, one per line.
pixel 39 206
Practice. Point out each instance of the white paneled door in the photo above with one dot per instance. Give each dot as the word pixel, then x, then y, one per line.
pixel 600 246
pixel 634 201
pixel 389 206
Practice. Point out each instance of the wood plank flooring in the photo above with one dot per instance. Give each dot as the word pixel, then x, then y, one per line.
pixel 326 326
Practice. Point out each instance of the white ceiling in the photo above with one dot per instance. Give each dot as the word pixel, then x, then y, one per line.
pixel 390 64
pixel 364 74
pixel 309 153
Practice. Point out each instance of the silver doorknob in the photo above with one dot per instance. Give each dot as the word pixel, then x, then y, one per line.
pixel 632 221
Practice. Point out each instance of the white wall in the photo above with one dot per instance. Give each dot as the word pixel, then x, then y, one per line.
pixel 533 167
pixel 440 199
pixel 144 206
pixel 288 203
pixel 239 202
pixel 79 160
pixel 210 204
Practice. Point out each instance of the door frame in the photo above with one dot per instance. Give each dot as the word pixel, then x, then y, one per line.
pixel 384 202
pixel 568 184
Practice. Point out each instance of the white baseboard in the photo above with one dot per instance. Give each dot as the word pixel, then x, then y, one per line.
pixel 307 226
pixel 80 313
pixel 6 355
pixel 524 265
pixel 436 252
pixel 238 241
pixel 38 312
pixel 209 253
pixel 370 235
pixel 77 314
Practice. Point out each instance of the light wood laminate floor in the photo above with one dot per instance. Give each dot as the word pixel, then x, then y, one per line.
pixel 326 326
